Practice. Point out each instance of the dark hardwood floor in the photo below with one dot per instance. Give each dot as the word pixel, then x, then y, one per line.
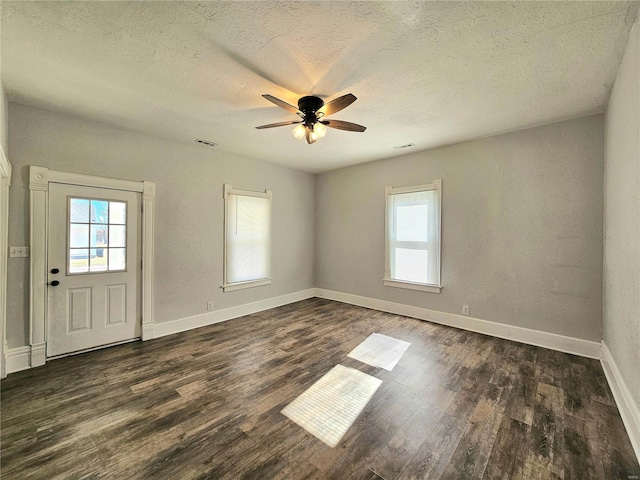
pixel 206 404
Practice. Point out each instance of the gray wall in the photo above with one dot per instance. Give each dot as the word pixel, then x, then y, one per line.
pixel 622 219
pixel 189 210
pixel 521 227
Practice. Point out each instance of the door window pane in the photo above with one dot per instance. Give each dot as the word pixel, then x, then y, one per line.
pixel 99 211
pixel 97 236
pixel 117 213
pixel 78 235
pixel 117 260
pixel 98 260
pixel 117 237
pixel 79 210
pixel 78 260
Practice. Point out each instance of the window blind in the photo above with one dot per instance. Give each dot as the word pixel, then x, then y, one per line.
pixel 248 238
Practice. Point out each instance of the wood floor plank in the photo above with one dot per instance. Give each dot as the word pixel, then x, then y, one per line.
pixel 509 451
pixel 424 415
pixel 580 461
pixel 615 452
pixel 474 449
pixel 433 456
pixel 206 404
pixel 548 427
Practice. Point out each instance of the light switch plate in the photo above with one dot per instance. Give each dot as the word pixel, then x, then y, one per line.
pixel 18 251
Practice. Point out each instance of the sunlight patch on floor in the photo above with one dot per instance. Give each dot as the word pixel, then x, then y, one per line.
pixel 330 406
pixel 380 351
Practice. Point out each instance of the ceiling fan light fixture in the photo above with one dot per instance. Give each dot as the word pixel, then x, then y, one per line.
pixel 312 137
pixel 299 131
pixel 311 110
pixel 320 130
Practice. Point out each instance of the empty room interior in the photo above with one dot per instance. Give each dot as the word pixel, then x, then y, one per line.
pixel 320 240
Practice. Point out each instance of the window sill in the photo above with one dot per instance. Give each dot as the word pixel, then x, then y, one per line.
pixel 231 287
pixel 412 286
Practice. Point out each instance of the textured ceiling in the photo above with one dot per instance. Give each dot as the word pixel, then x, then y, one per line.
pixel 428 73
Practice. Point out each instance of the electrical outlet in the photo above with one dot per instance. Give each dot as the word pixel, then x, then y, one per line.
pixel 209 306
pixel 18 251
pixel 465 309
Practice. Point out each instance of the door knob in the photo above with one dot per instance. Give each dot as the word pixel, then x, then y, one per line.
pixel 55 283
pixel 55 270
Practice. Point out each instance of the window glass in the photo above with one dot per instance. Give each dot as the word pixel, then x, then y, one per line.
pixel 98 260
pixel 99 211
pixel 78 260
pixel 412 223
pixel 117 235
pixel 97 236
pixel 117 260
pixel 413 235
pixel 78 235
pixel 117 213
pixel 79 210
pixel 411 265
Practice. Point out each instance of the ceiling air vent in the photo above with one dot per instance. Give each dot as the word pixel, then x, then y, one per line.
pixel 206 142
pixel 405 146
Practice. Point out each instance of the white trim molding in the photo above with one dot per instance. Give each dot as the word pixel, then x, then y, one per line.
pixel 217 316
pixel 38 354
pixel 18 359
pixel 5 165
pixel 231 287
pixel 148 213
pixel 575 346
pixel 432 244
pixel 389 282
pixel 628 408
pixel 39 180
pixel 5 184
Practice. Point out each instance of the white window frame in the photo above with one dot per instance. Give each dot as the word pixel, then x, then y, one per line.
pixel 391 282
pixel 229 190
pixel 89 247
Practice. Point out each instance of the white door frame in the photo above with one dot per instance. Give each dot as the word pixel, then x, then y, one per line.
pixel 39 179
pixel 5 183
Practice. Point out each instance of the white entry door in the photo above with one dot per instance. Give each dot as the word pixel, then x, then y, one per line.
pixel 93 268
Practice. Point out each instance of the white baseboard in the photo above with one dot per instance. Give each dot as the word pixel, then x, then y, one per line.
pixel 3 367
pixel 575 346
pixel 629 410
pixel 217 316
pixel 147 332
pixel 38 354
pixel 18 359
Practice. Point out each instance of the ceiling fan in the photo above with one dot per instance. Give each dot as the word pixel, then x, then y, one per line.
pixel 312 111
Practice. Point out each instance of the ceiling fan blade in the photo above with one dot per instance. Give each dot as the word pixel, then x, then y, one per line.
pixel 337 104
pixel 340 125
pixel 279 124
pixel 282 104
